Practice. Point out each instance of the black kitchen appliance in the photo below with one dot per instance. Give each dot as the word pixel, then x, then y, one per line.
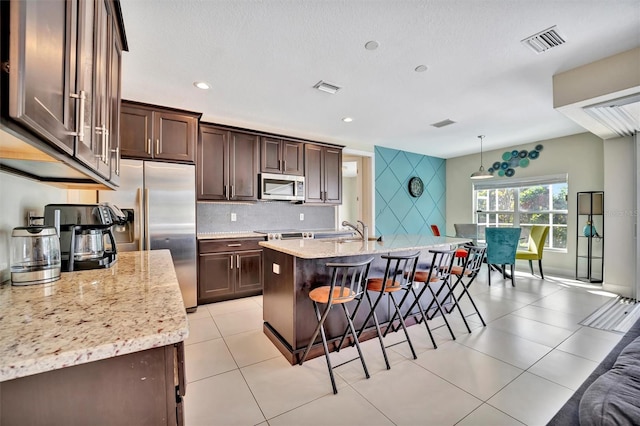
pixel 86 239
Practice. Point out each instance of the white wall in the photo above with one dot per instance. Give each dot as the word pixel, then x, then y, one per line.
pixel 348 210
pixel 620 216
pixel 19 196
pixel 581 156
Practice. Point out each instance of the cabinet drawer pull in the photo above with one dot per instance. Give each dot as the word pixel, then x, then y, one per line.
pixel 234 245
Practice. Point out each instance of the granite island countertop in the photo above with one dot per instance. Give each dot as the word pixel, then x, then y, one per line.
pixel 91 315
pixel 324 248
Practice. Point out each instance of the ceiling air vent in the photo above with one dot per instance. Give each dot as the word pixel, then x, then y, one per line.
pixel 443 123
pixel 622 116
pixel 327 87
pixel 544 40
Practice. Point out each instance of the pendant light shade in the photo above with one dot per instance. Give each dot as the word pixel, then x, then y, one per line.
pixel 481 173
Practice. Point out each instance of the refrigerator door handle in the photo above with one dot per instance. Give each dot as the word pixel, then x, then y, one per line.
pixel 137 220
pixel 147 237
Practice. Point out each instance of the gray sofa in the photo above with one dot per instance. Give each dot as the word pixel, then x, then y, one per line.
pixel 611 394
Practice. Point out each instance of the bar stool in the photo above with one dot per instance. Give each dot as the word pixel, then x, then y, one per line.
pixel 469 271
pixel 398 276
pixel 439 270
pixel 347 284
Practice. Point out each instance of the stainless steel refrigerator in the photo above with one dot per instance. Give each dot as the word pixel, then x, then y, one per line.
pixel 159 201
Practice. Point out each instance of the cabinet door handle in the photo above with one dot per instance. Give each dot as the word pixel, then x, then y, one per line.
pixel 100 132
pixel 157 146
pixel 147 146
pixel 238 261
pixel 117 152
pixel 80 124
pixel 106 141
pixel 234 245
pixel 284 165
pixel 233 192
pixel 231 263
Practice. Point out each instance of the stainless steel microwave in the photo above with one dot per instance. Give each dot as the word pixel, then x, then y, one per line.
pixel 281 187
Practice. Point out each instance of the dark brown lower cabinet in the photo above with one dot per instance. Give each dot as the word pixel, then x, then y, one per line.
pixel 229 269
pixel 141 388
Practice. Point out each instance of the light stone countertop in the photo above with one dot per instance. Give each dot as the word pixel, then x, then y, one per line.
pixel 226 235
pixel 324 248
pixel 91 315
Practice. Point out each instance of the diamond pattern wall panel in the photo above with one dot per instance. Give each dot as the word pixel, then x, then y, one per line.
pixel 397 212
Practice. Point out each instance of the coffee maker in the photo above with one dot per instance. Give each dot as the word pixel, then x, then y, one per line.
pixel 86 240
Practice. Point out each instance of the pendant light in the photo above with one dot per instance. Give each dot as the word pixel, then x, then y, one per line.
pixel 481 173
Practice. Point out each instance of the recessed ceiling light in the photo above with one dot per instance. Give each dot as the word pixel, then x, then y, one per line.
pixel 371 45
pixel 202 85
pixel 421 68
pixel 347 119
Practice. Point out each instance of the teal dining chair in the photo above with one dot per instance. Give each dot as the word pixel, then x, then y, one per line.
pixel 502 244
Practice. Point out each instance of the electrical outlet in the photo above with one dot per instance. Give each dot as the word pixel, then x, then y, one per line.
pixel 233 217
pixel 301 216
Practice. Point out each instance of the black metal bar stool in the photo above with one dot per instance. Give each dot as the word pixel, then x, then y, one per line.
pixel 439 270
pixel 347 284
pixel 398 276
pixel 469 271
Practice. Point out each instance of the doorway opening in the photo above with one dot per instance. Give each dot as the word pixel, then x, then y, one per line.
pixel 358 191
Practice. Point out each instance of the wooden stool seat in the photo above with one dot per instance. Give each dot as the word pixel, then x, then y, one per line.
pixel 340 295
pixel 375 284
pixel 423 276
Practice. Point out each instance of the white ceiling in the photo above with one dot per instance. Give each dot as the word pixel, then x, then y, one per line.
pixel 262 59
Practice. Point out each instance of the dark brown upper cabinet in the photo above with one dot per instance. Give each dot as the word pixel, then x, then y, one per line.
pixel 157 133
pixel 64 77
pixel 227 166
pixel 281 156
pixel 323 174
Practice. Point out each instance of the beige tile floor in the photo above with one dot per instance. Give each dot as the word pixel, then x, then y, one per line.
pixel 519 369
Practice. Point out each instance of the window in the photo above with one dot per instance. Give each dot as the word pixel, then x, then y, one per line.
pixel 523 203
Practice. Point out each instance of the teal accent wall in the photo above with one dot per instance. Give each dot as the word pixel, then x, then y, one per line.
pixel 397 212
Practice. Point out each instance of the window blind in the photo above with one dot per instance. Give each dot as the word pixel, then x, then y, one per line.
pixel 520 182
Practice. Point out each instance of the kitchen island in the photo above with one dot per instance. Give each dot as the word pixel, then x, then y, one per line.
pixel 293 267
pixel 102 346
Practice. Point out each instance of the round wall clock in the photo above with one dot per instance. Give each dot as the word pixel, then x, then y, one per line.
pixel 416 186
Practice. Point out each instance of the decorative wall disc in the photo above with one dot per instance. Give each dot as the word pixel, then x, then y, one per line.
pixel 513 159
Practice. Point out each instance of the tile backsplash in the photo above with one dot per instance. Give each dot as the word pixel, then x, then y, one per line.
pixel 263 215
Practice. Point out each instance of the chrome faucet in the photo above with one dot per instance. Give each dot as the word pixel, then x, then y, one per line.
pixel 364 233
